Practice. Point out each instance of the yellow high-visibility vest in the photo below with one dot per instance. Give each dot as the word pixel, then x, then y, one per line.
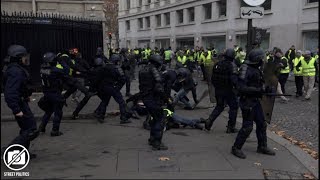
pixel 182 59
pixel 287 69
pixel 295 63
pixel 169 113
pixel 167 55
pixel 308 69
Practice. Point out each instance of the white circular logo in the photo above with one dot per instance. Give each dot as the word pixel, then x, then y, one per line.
pixel 254 2
pixel 16 157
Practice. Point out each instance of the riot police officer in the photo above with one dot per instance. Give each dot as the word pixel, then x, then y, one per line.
pixel 93 74
pixel 111 80
pixel 250 87
pixel 151 88
pixel 224 79
pixel 52 84
pixel 17 92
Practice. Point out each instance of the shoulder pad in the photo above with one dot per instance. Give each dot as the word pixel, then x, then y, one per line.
pixel 234 68
pixel 243 71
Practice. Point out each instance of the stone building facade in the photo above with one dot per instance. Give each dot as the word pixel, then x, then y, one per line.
pixel 92 9
pixel 178 23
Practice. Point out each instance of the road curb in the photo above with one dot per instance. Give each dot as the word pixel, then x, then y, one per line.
pixel 309 162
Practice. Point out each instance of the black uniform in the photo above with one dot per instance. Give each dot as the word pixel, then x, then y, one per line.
pixel 17 91
pixel 52 84
pixel 111 80
pixel 250 87
pixel 224 79
pixel 151 88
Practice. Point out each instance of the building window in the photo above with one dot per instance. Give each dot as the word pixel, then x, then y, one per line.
pixel 148 22
pixel 158 19
pixel 140 3
pixel 128 4
pixel 140 23
pixel 128 25
pixel 180 16
pixel 266 5
pixel 207 11
pixel 149 1
pixel 191 14
pixel 167 19
pixel 312 1
pixel 222 7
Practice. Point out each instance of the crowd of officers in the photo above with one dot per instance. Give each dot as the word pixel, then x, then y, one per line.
pixel 236 77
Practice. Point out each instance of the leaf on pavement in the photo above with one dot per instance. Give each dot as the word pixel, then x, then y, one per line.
pixel 258 164
pixel 164 159
pixel 280 133
pixel 275 149
pixel 266 172
pixel 308 176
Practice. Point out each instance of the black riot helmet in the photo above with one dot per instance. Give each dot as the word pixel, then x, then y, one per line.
pixel 19 54
pixel 98 62
pixel 17 51
pixel 230 53
pixel 115 58
pixel 49 57
pixel 255 57
pixel 156 60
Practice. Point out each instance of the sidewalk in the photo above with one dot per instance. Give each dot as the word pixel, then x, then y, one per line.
pixel 91 150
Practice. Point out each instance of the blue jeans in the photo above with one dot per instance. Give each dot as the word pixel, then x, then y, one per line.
pixel 179 97
pixel 185 121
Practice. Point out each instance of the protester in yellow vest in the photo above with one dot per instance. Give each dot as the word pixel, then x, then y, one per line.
pixel 168 56
pixel 284 73
pixel 182 59
pixel 298 73
pixel 205 59
pixel 309 68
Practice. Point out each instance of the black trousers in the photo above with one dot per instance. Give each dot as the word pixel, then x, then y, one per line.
pixel 299 85
pixel 283 77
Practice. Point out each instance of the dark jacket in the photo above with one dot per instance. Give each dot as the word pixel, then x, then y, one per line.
pixel 16 86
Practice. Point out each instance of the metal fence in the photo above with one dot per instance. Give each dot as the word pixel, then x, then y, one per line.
pixel 41 33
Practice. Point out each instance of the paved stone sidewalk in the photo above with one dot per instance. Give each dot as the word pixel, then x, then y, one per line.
pixel 89 149
pixel 92 150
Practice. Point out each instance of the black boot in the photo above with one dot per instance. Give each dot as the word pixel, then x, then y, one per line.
pixel 238 152
pixel 265 150
pixel 75 116
pixel 198 126
pixel 208 124
pixel 157 145
pixel 202 120
pixel 124 121
pixel 231 130
pixel 42 128
pixel 56 133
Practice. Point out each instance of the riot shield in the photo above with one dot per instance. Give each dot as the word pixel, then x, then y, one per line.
pixel 271 82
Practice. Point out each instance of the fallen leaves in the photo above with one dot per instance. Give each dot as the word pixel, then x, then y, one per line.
pixel 280 133
pixel 164 159
pixel 258 164
pixel 301 144
pixel 308 176
pixel 275 149
pixel 266 172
